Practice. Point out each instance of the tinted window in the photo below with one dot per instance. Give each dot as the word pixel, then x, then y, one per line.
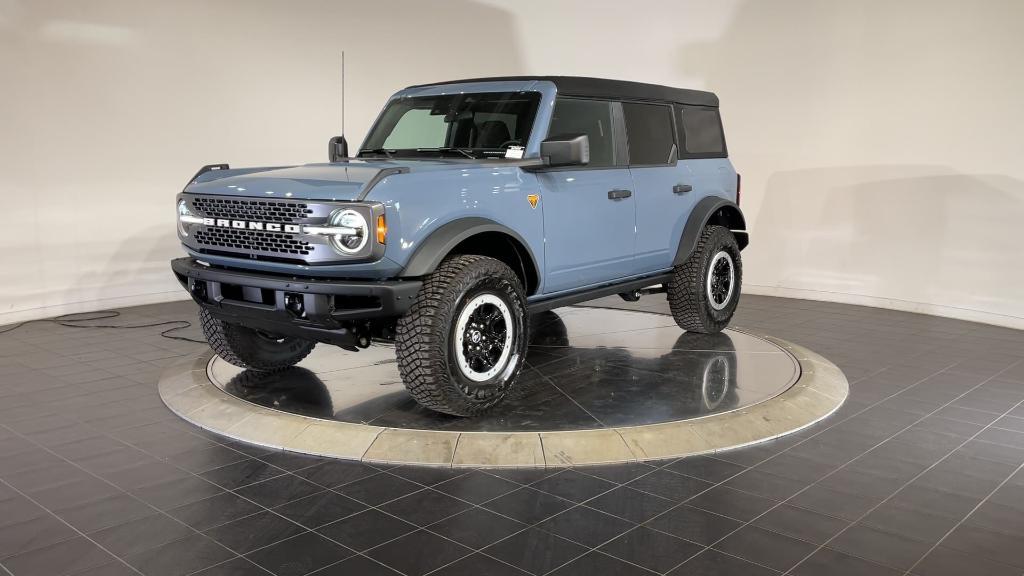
pixel 649 128
pixel 590 117
pixel 702 131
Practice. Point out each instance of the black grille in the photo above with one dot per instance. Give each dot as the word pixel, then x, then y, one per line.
pixel 262 210
pixel 252 240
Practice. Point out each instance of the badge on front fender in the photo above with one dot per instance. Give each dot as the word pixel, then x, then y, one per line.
pixel 533 198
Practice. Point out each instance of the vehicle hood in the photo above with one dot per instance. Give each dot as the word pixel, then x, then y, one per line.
pixel 345 180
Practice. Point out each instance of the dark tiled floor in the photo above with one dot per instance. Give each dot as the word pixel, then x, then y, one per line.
pixel 918 473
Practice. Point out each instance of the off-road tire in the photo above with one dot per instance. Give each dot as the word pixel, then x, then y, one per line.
pixel 425 335
pixel 687 295
pixel 247 348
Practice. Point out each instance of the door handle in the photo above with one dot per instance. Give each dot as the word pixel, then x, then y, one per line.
pixel 619 194
pixel 681 188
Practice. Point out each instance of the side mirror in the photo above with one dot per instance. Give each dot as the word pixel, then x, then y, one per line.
pixel 337 149
pixel 566 150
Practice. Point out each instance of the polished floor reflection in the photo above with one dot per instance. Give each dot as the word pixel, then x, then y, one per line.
pixel 586 368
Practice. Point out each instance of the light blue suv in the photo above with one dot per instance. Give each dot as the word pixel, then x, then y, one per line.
pixel 470 205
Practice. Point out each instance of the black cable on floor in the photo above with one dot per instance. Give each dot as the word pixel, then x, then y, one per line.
pixel 70 320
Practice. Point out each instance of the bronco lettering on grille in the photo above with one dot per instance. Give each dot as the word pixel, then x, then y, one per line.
pixel 247 225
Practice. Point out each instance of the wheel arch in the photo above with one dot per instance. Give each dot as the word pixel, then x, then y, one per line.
pixel 479 236
pixel 712 210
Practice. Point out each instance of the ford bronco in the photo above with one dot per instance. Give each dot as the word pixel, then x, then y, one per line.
pixel 470 205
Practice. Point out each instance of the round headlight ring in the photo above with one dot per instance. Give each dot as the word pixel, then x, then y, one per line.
pixel 350 243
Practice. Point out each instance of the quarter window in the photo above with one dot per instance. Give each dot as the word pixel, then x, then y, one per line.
pixel 590 117
pixel 702 132
pixel 649 129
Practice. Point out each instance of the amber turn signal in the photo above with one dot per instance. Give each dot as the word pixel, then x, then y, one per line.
pixel 382 229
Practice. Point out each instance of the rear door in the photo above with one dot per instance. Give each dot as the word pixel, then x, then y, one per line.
pixel 676 157
pixel 660 181
pixel 589 211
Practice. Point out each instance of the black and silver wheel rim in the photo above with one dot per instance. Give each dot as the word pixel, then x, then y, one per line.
pixel 721 280
pixel 483 338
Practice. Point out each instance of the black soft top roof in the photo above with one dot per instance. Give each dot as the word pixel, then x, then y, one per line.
pixel 605 88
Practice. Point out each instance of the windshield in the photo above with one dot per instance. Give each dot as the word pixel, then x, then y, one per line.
pixel 475 125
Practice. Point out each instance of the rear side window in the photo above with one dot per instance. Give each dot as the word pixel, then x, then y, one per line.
pixel 590 117
pixel 702 132
pixel 649 128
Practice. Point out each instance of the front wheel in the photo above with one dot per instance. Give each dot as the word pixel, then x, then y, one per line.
pixel 252 349
pixel 463 342
pixel 704 291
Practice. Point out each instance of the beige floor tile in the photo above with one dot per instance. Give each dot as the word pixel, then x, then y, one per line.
pixel 495 449
pixel 584 447
pixel 335 440
pixel 413 447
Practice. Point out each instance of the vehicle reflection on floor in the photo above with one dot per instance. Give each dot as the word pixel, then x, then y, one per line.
pixel 586 368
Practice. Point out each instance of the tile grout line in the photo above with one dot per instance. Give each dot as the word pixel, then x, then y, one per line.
pixel 905 484
pixel 679 504
pixel 583 504
pixel 722 483
pixel 571 399
pixel 1019 467
pixel 455 451
pixel 61 520
pixel 120 490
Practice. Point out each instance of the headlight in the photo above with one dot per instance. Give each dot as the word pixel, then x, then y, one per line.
pixel 352 240
pixel 184 217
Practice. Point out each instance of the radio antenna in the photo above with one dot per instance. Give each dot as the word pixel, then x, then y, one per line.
pixel 343 92
pixel 337 147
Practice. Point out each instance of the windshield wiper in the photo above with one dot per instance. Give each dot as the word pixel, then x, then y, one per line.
pixel 462 151
pixel 383 151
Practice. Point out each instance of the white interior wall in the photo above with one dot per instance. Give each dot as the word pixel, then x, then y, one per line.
pixel 878 141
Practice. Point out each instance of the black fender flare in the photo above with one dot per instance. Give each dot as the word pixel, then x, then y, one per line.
pixel 713 210
pixel 433 249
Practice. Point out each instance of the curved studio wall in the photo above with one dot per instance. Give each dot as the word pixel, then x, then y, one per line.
pixel 878 141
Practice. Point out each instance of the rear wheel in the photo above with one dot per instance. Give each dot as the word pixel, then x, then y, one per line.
pixel 253 349
pixel 704 290
pixel 463 342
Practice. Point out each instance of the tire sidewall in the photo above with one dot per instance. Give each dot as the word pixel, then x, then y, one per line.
pixel 504 289
pixel 721 240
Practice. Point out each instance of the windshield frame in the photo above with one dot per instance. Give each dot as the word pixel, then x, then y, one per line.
pixel 533 131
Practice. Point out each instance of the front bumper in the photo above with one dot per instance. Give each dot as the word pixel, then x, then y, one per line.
pixel 322 310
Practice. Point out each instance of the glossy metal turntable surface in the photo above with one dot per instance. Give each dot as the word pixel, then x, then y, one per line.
pixel 586 368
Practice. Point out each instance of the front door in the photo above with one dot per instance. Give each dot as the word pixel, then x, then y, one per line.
pixel 589 211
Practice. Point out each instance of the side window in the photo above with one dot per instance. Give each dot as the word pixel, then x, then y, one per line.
pixel 702 132
pixel 649 129
pixel 417 128
pixel 590 117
